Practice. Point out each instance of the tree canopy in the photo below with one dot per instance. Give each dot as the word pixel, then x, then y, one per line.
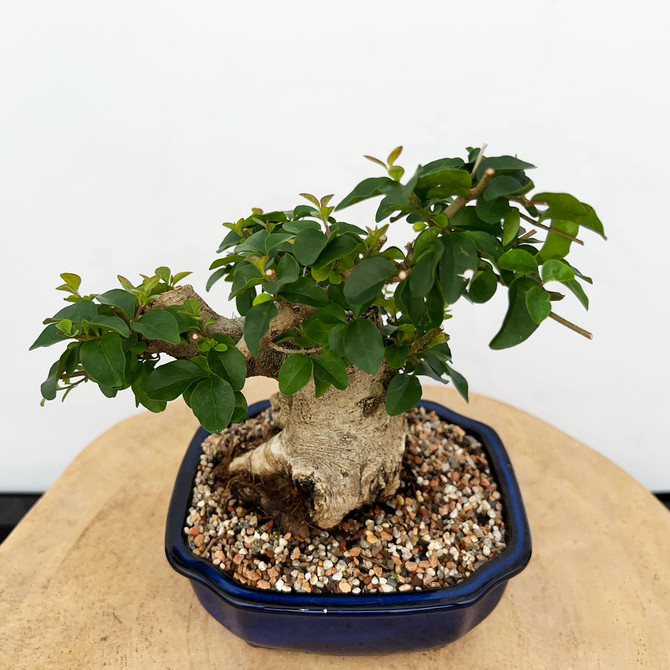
pixel 317 294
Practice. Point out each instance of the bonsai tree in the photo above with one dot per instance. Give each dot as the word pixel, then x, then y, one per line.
pixel 343 321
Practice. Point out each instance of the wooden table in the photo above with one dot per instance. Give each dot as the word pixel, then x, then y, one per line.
pixel 84 582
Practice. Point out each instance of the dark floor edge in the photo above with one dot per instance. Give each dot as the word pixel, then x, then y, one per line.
pixel 14 506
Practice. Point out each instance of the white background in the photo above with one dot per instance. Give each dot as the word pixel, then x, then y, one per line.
pixel 130 130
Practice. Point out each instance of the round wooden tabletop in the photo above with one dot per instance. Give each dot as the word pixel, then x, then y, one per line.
pixel 85 583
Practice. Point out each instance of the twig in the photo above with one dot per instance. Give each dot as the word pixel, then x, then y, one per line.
pixel 479 158
pixel 560 233
pixel 296 350
pixel 525 202
pixel 571 326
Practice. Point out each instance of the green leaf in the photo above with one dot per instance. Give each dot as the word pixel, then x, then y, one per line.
pixel 245 301
pixel 296 227
pixel 78 311
pixel 254 244
pixel 502 164
pixel 318 326
pixel 367 279
pixel 557 246
pixel 502 185
pixel 246 276
pixel 241 408
pixel 459 382
pixel 518 260
pixel 342 227
pixel 396 356
pixel 511 226
pixel 257 324
pixel 336 339
pixel 229 365
pixel 397 198
pixel 226 260
pixel 368 188
pixel 107 391
pixel 487 245
pixel 321 383
pixel 402 394
pixel 179 276
pixel 538 303
pixel 518 325
pixel 287 271
pixel 158 324
pixel 214 277
pixel 492 211
pixel 483 285
pixel 104 360
pixel 263 297
pixel 591 221
pixel 467 219
pixel 458 256
pixel 363 345
pixel 444 183
pixel 72 280
pixel 141 396
pixel 561 205
pixel 274 240
pixel 113 323
pixel 169 381
pixel 423 274
pixel 304 291
pixel 440 164
pixel 577 289
pixel 308 245
pixel 213 403
pixel 230 240
pixel 337 248
pixel 50 335
pixel 393 253
pixel 49 386
pixel 330 367
pixel 557 270
pixel 295 373
pixel 117 297
pixel 424 313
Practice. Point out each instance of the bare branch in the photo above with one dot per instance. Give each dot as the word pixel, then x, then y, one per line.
pixel 571 326
pixel 560 233
pixel 479 158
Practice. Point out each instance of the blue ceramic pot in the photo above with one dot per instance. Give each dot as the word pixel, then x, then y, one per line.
pixel 347 623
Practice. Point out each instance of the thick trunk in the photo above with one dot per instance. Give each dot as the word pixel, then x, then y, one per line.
pixel 341 450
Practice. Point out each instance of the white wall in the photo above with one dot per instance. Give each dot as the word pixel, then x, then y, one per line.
pixel 130 131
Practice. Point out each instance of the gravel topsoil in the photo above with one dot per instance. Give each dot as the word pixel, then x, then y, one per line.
pixel 445 520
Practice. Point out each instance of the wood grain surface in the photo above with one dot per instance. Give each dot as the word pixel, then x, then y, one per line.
pixel 84 582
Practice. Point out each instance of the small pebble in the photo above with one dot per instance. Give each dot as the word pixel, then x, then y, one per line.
pixel 444 522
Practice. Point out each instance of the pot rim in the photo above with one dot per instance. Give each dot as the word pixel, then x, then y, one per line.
pixel 510 562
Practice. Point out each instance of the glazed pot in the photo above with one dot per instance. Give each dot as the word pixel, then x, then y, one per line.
pixel 348 623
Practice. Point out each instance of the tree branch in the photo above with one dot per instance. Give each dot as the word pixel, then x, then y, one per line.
pixel 571 326
pixel 474 193
pixel 288 317
pixel 268 361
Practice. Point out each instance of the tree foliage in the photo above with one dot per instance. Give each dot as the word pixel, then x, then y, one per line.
pixel 476 230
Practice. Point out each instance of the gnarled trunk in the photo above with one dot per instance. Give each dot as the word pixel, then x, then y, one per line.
pixel 341 450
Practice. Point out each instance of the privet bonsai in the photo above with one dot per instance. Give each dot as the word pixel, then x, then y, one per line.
pixel 345 322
